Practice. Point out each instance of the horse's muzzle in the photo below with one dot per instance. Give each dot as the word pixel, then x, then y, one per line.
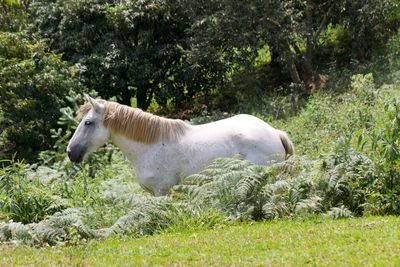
pixel 76 155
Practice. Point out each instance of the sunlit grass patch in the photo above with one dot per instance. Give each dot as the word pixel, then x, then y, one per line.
pixel 367 241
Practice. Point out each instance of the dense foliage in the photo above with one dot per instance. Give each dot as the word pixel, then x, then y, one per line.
pixel 34 85
pixel 128 48
pixel 174 50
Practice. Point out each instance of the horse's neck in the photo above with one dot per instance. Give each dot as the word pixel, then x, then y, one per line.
pixel 131 149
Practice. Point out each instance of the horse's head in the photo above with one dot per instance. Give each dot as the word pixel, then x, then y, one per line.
pixel 90 134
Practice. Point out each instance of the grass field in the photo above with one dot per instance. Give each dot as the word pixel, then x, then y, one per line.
pixel 371 241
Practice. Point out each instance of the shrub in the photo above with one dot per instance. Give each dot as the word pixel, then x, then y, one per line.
pixel 34 85
pixel 382 146
pixel 347 177
pixel 21 198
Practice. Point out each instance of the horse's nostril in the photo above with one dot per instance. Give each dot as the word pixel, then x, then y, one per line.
pixel 76 155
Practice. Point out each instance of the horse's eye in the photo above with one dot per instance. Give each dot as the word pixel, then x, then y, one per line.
pixel 88 122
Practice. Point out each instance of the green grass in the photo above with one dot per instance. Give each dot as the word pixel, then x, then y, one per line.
pixel 373 241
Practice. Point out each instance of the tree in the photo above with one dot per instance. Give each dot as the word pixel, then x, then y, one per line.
pixel 179 49
pixel 33 85
pixel 13 14
pixel 293 31
pixel 128 48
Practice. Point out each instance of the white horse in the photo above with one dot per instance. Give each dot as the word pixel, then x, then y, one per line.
pixel 163 150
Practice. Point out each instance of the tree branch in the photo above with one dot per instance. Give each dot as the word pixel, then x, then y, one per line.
pixel 322 25
pixel 273 22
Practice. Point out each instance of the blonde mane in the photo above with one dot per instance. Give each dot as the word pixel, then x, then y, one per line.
pixel 136 124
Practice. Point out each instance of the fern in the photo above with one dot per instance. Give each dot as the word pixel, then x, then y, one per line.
pixel 275 207
pixel 339 212
pixel 244 191
pixel 308 206
pixel 228 189
pixel 347 176
pixel 15 231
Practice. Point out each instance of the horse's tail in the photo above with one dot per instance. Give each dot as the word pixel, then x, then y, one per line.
pixel 287 144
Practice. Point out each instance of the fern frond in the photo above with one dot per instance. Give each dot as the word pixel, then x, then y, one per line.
pixel 339 212
pixel 248 185
pixel 15 231
pixel 197 179
pixel 309 206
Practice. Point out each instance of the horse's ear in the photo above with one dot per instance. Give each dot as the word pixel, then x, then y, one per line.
pixel 87 97
pixel 98 107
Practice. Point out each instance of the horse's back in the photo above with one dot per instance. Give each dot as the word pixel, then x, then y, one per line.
pixel 242 126
pixel 236 122
pixel 242 134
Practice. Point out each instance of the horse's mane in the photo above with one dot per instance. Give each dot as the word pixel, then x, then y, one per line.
pixel 136 124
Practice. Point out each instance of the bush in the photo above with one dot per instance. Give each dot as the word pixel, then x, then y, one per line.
pixel 382 146
pixel 21 198
pixel 33 88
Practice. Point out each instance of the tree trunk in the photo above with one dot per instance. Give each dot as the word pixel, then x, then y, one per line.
pixel 291 64
pixel 294 74
pixel 309 74
pixel 308 57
